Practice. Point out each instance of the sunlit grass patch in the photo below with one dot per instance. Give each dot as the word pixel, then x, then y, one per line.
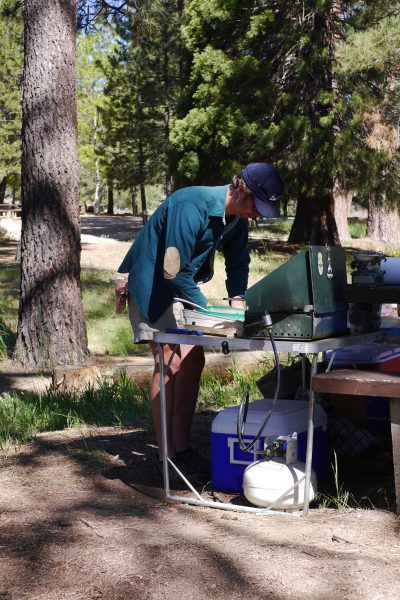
pixel 217 391
pixel 24 415
pixel 277 229
pixel 357 228
pixel 9 299
pixel 111 335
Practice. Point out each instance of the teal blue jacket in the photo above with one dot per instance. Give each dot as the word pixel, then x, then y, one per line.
pixel 169 256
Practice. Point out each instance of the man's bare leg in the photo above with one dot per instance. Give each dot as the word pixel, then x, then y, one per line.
pixel 169 394
pixel 187 381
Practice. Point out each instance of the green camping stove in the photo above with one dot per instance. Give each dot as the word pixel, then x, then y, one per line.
pixel 304 297
pixel 367 269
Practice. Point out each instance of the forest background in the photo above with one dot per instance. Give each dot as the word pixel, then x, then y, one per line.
pixel 173 93
pixel 180 93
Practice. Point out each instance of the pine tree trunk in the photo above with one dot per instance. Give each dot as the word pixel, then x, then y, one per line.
pixel 143 203
pixel 168 182
pixel 3 186
pixel 97 191
pixel 134 201
pixel 383 224
pixel 314 222
pixel 342 207
pixel 110 198
pixel 51 327
pixel 167 83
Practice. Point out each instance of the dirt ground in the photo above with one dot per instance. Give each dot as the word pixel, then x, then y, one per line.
pixel 82 517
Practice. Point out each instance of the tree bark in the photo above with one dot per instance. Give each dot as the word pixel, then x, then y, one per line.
pixel 110 198
pixel 383 223
pixel 314 222
pixel 342 200
pixel 98 186
pixel 51 327
pixel 315 213
pixel 134 201
pixel 3 186
pixel 97 191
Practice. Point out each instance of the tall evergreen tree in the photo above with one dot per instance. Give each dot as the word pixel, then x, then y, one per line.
pixel 11 60
pixel 143 83
pixel 93 49
pixel 372 48
pixel 263 87
pixel 51 327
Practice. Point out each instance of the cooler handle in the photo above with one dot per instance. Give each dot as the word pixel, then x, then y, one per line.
pixel 234 461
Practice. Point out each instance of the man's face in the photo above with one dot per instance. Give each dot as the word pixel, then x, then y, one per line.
pixel 246 207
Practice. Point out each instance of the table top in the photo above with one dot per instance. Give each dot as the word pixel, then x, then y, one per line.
pixel 300 346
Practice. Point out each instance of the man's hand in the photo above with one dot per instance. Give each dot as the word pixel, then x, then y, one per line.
pixel 237 302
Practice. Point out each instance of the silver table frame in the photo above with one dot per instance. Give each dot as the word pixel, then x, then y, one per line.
pixel 251 344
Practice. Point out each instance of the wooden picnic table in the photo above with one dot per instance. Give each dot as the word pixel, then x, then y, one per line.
pixel 10 210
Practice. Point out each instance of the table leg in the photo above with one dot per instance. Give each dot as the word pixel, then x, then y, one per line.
pixel 164 429
pixel 395 427
pixel 310 436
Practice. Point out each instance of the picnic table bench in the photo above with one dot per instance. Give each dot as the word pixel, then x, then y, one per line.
pixel 10 210
pixel 368 383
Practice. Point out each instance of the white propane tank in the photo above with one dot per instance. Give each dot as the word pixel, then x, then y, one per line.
pixel 264 481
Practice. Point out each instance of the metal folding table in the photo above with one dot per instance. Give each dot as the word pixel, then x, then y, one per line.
pixel 302 347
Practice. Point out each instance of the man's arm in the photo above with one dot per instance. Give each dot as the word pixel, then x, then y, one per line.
pixel 237 260
pixel 184 226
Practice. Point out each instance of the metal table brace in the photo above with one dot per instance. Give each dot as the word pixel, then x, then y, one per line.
pixel 302 347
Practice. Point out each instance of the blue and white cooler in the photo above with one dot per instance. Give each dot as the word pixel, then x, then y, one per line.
pixel 228 461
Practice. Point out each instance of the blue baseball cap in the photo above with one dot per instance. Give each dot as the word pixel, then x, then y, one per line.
pixel 266 186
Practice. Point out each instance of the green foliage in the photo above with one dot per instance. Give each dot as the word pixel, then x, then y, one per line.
pixel 263 86
pixel 368 60
pixel 11 61
pixel 93 50
pixel 108 333
pixel 357 228
pixel 375 47
pixel 7 341
pixel 24 415
pixel 341 499
pixel 143 78
pixel 217 391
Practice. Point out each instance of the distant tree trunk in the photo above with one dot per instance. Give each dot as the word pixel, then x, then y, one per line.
pixel 139 110
pixel 166 46
pixel 51 327
pixel 383 224
pixel 3 186
pixel 143 203
pixel 110 198
pixel 342 207
pixel 168 183
pixel 284 207
pixel 314 222
pixel 134 201
pixel 315 213
pixel 97 191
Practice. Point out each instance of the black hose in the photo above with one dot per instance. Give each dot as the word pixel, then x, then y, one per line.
pixel 244 406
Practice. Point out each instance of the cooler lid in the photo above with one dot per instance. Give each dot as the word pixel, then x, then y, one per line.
pixel 288 416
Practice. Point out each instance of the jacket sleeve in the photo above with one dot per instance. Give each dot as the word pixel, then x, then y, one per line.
pixel 237 259
pixel 185 224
